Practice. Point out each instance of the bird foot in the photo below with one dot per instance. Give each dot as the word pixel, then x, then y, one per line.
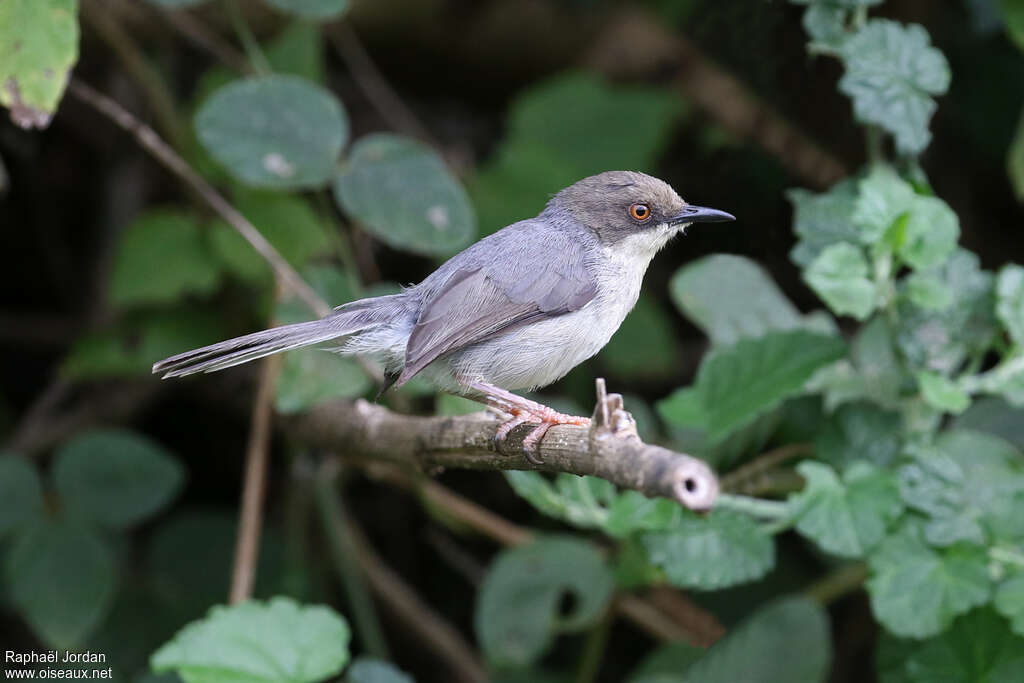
pixel 546 418
pixel 610 418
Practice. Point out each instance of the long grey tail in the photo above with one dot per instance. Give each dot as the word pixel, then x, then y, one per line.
pixel 345 320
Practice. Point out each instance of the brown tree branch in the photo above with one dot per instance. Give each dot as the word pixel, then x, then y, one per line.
pixel 254 488
pixel 287 277
pixel 604 450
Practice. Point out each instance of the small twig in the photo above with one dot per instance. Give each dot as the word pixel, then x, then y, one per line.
pixel 594 647
pixel 833 586
pixel 287 277
pixel 375 86
pixel 45 403
pixel 430 628
pixel 161 102
pixel 197 33
pixel 704 627
pixel 762 463
pixel 252 47
pixel 338 527
pixel 257 455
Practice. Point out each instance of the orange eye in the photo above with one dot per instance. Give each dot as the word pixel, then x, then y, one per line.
pixel 640 212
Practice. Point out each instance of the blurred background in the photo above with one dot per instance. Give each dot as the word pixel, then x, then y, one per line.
pixel 520 98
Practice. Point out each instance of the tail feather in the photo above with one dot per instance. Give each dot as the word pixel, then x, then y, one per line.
pixel 344 321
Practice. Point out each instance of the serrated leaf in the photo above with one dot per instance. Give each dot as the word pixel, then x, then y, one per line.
pixel 115 477
pixel 21 493
pixel 311 9
pixel 645 345
pixel 917 591
pixel 1009 601
pixel 785 640
pixel 161 256
pixel 882 198
pixel 978 647
pixel 280 132
pixel 295 644
pixel 927 290
pixel 820 220
pixel 61 577
pixel 721 549
pixel 369 670
pixel 965 484
pixel 401 192
pixel 942 393
pixel 517 617
pixel 846 517
pixel 860 431
pixel 38 48
pixel 892 72
pixel 582 501
pixel 731 297
pixel 1010 300
pixel 930 233
pixel 743 381
pixel 839 275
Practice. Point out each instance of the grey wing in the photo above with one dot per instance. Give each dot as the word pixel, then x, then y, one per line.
pixel 478 302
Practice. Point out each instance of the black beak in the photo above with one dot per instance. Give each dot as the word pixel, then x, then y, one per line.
pixel 701 214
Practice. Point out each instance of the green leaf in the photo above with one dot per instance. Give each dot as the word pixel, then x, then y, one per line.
pixel 917 591
pixel 846 517
pixel 160 257
pixel 298 50
pixel 965 483
pixel 114 477
pixel 666 664
pixel 743 381
pixel 942 393
pixel 825 25
pixel 61 577
pixel 820 220
pixel 719 550
pixel 1015 154
pixel 632 511
pixel 135 344
pixel 645 345
pixel 730 297
pixel 941 340
pixel 21 493
pixel 891 73
pixel 785 640
pixel 369 670
pixel 582 501
pixel 930 233
pixel 979 648
pixel 1009 601
pixel 1010 300
pixel 278 640
pixel 177 4
pixel 860 431
pixel 995 416
pixel 311 9
pixel 517 611
pixel 839 275
pixel 1013 19
pixel 882 198
pixel 38 47
pixel 401 191
pixel 927 290
pixel 279 132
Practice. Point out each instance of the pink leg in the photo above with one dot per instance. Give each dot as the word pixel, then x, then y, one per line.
pixel 523 410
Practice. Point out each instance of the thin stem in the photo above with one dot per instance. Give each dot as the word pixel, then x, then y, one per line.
pixel 762 463
pixel 593 649
pixel 835 585
pixel 773 510
pixel 287 277
pixel 873 134
pixel 343 549
pixel 252 47
pixel 250 523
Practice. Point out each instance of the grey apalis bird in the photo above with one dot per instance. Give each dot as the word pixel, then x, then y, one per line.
pixel 517 310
